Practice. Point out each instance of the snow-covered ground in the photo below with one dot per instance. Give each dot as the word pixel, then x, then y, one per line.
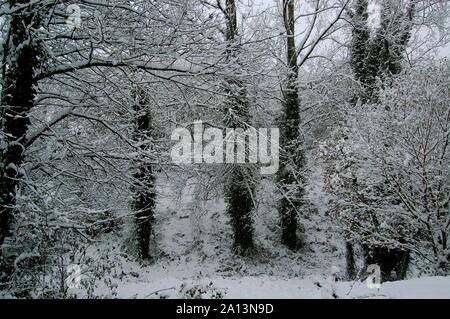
pixel 194 258
pixel 266 287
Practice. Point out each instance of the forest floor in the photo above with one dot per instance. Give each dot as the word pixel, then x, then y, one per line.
pixel 194 256
pixel 271 287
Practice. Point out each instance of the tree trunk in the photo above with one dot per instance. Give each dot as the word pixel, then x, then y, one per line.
pixel 363 63
pixel 292 157
pixel 240 185
pixel 17 101
pixel 350 260
pixel 240 205
pixel 144 202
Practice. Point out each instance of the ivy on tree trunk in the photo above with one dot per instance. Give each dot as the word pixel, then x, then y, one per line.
pixel 240 186
pixel 292 161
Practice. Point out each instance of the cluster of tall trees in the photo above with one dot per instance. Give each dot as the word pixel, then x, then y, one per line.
pixel 87 109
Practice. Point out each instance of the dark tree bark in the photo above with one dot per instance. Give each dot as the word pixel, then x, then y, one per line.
pixel 292 159
pixel 240 186
pixel 21 57
pixel 240 206
pixel 144 202
pixel 350 260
